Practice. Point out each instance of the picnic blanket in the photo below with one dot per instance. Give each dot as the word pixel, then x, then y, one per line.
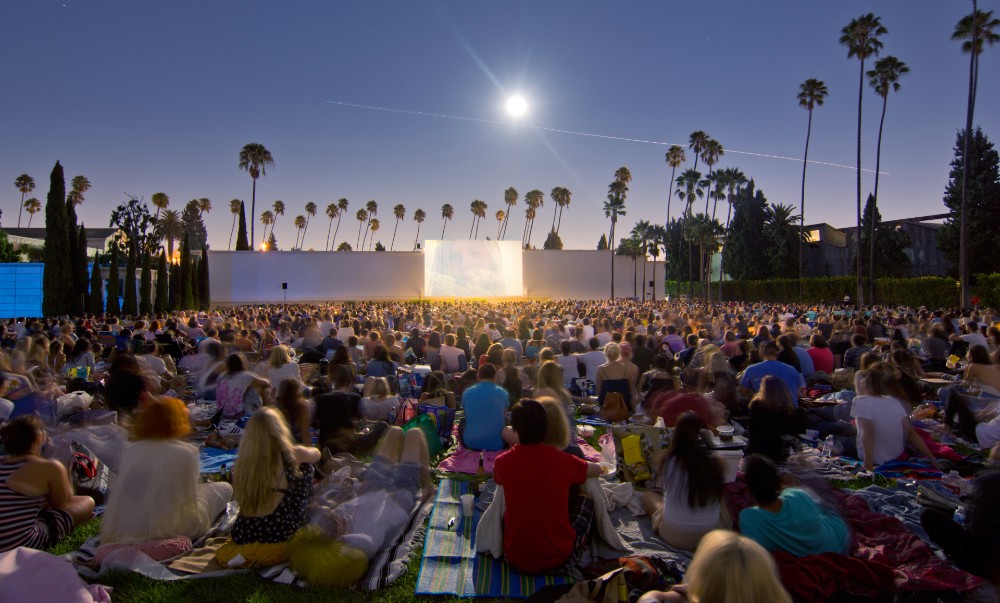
pixel 450 565
pixel 212 459
pixel 463 460
pixel 883 539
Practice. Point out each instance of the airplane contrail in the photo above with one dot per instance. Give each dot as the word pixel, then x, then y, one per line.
pixel 576 133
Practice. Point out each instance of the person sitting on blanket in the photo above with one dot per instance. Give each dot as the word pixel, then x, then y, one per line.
pixel 379 403
pixel 773 418
pixel 974 547
pixel 272 480
pixel 978 424
pixel 690 505
pixel 883 423
pixel 387 492
pixel 788 519
pixel 726 567
pixel 156 494
pixel 435 390
pixel 547 519
pixel 336 410
pixel 37 505
pixel 485 405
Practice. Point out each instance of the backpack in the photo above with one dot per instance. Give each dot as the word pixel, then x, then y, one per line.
pixel 614 409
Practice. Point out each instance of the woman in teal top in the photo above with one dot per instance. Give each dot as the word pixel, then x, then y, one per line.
pixel 788 520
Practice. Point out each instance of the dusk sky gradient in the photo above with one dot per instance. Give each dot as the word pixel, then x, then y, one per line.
pixel 144 97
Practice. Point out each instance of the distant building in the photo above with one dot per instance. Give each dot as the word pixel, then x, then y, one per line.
pixel 97 238
pixel 830 251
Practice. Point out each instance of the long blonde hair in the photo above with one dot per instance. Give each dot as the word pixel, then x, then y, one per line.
pixel 279 357
pixel 729 568
pixel 557 431
pixel 266 446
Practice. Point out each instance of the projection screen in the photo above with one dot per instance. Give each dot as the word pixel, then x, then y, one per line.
pixel 472 269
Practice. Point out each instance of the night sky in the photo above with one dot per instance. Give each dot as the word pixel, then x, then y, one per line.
pixel 144 97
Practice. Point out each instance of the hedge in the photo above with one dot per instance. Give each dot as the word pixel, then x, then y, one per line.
pixel 930 291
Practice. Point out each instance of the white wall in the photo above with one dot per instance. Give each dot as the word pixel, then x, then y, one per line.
pixel 239 277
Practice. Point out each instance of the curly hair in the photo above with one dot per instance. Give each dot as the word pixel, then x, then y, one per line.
pixel 162 418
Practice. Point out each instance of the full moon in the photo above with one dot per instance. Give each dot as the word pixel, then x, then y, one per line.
pixel 517 106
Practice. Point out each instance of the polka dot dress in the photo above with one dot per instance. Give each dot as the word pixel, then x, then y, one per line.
pixel 286 519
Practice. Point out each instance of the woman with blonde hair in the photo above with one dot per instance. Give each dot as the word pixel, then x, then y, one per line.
pixel 378 402
pixel 280 366
pixel 727 568
pixel 272 480
pixel 156 494
pixel 616 376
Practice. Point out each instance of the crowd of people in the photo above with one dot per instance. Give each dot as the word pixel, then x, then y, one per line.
pixel 326 379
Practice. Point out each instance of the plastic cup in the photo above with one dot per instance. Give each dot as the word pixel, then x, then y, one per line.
pixel 467 501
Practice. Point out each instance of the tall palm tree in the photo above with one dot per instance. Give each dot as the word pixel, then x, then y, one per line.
pixel 311 210
pixel 705 232
pixel 658 238
pixel 567 197
pixel 372 208
pixel 534 199
pixel 170 228
pixel 883 78
pixel 974 29
pixel 696 142
pixel 812 92
pixel 861 38
pixel 331 212
pixel 474 208
pixel 500 215
pixel 480 210
pixel 204 205
pixel 279 210
pixel 641 232
pixel 362 218
pixel 718 181
pixel 399 211
pixel 615 207
pixel 675 158
pixel 623 175
pixel 78 187
pixel 529 218
pixel 447 213
pixel 234 208
pixel 25 184
pixel 510 198
pixel 418 216
pixel 32 206
pixel 341 210
pixel 710 155
pixel 300 226
pixel 735 180
pixel 160 201
pixel 374 224
pixel 266 218
pixel 556 195
pixel 690 186
pixel 255 159
pixel 632 249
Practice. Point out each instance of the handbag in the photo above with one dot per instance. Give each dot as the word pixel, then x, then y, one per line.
pixel 439 399
pixel 89 476
pixel 426 423
pixel 614 409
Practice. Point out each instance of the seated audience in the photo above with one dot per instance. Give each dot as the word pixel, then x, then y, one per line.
pixel 883 423
pixel 773 420
pixel 379 403
pixel 974 546
pixel 755 373
pixel 485 405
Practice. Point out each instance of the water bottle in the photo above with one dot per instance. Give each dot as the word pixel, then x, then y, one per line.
pixel 959 516
pixel 827 450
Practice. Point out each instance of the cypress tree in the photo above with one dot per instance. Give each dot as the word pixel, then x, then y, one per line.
pixel 146 287
pixel 241 237
pixel 72 242
pixel 203 286
pixel 80 271
pixel 95 302
pixel 186 295
pixel 193 277
pixel 129 304
pixel 161 302
pixel 111 307
pixel 57 273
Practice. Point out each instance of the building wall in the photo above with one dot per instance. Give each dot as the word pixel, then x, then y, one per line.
pixel 239 277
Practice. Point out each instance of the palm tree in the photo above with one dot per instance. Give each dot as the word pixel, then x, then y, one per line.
pixel 372 209
pixel 310 214
pixel 341 209
pixel 641 233
pixel 418 216
pixel 510 198
pixel 300 225
pixel 255 159
pixel 613 208
pixel 480 214
pixel 362 218
pixel 234 208
pixel 474 208
pixel 160 201
pixel 32 206
pixel 170 228
pixel 204 205
pixel 79 186
pixel 812 92
pixel 690 186
pixel 734 181
pixel 632 249
pixel 705 232
pixel 658 238
pixel 534 199
pixel 696 142
pixel 399 211
pixel 710 155
pixel 25 184
pixel 279 210
pixel 500 215
pixel 331 212
pixel 556 195
pixel 529 218
pixel 266 218
pixel 447 213
pixel 374 224
pixel 718 180
pixel 883 78
pixel 974 29
pixel 567 197
pixel 675 157
pixel 623 175
pixel 861 38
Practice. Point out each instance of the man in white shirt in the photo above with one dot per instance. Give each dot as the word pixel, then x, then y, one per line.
pixel 450 362
pixel 588 329
pixel 592 359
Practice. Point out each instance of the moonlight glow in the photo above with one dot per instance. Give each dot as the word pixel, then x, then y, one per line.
pixel 517 106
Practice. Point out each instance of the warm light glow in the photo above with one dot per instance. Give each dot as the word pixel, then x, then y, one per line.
pixel 263 246
pixel 176 259
pixel 517 106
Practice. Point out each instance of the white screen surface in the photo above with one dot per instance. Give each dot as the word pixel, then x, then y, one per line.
pixel 472 269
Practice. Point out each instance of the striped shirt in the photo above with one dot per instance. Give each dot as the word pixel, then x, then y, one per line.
pixel 19 525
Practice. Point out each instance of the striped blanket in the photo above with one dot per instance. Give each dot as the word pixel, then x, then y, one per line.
pixel 450 565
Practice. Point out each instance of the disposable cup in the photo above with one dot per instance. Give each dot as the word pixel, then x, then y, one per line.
pixel 467 501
